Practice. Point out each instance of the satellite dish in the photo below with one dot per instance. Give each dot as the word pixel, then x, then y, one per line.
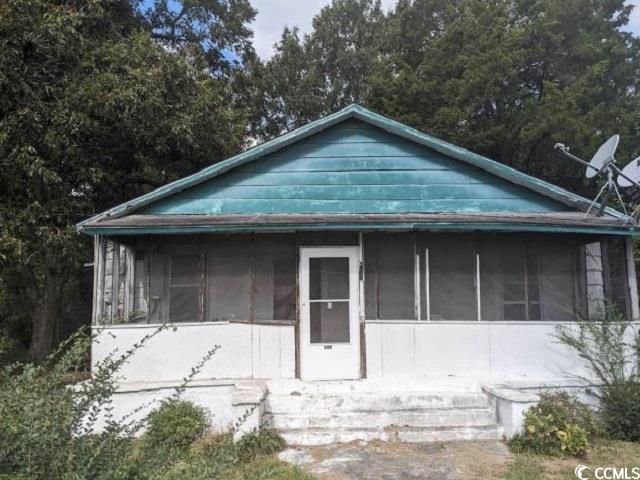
pixel 603 156
pixel 603 164
pixel 630 175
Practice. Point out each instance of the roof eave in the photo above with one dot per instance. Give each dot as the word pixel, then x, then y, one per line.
pixel 400 226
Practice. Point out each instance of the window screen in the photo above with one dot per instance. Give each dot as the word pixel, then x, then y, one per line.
pixel 509 282
pixel 229 273
pixel 615 274
pixel 185 288
pixel 452 277
pixel 559 285
pixel 140 277
pixel 528 278
pixel 275 277
pixel 329 300
pixel 389 276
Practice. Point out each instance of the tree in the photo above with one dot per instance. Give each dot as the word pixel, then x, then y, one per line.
pixel 510 78
pixel 92 112
pixel 215 29
pixel 320 73
pixel 506 78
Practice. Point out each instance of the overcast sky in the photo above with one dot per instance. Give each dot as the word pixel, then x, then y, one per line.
pixel 274 15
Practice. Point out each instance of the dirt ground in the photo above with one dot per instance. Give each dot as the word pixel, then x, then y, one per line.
pixel 400 461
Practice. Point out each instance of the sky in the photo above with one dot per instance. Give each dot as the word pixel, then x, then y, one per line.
pixel 634 23
pixel 274 15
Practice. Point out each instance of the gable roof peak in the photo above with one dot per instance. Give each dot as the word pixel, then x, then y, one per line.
pixel 359 112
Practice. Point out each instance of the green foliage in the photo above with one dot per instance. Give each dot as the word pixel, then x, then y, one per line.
pixel 6 345
pixel 610 347
pixel 260 442
pixel 505 78
pixel 620 409
pixel 558 425
pixel 573 440
pixel 95 111
pixel 320 73
pixel 216 29
pixel 48 426
pixel 52 426
pixel 174 427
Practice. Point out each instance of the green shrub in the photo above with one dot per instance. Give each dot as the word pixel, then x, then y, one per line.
pixel 610 346
pixel 52 428
pixel 175 426
pixel 620 409
pixel 558 425
pixel 47 427
pixel 260 442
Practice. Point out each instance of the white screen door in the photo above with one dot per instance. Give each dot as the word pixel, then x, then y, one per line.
pixel 329 313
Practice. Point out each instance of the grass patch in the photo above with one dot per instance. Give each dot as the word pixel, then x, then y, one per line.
pixel 267 468
pixel 524 467
pixel 603 453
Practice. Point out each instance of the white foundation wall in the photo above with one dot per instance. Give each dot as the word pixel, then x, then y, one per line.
pixel 487 351
pixel 246 351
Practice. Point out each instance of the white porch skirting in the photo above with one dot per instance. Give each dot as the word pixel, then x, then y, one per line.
pixel 394 349
pixel 493 351
pixel 246 351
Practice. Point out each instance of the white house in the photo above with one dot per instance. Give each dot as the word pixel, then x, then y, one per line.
pixel 369 280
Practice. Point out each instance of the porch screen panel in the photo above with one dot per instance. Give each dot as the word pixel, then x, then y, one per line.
pixel 528 278
pixel 229 273
pixel 175 283
pixel 329 300
pixel 389 276
pixel 185 301
pixel 615 275
pixel 509 284
pixel 140 303
pixel 557 260
pixel 452 277
pixel 275 277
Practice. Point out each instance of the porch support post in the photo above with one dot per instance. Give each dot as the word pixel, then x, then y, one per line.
pixel 633 282
pixel 363 340
pixel 98 278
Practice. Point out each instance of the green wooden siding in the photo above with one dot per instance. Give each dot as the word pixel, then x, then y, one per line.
pixel 354 167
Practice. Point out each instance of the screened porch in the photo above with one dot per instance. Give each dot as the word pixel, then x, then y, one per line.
pixel 406 276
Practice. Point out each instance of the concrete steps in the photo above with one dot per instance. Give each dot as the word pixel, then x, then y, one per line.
pixel 372 401
pixel 312 415
pixel 420 418
pixel 324 436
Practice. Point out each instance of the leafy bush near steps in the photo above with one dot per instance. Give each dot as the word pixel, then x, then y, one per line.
pixel 49 427
pixel 259 442
pixel 620 409
pixel 212 456
pixel 558 425
pixel 175 426
pixel 610 347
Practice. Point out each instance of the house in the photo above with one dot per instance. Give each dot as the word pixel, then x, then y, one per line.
pixel 360 275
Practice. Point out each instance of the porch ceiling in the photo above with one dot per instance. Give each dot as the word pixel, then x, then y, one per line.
pixel 558 222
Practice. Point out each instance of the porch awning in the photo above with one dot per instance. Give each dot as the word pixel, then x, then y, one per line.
pixel 551 222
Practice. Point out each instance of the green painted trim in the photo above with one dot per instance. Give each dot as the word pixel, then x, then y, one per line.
pixel 360 113
pixel 496 227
